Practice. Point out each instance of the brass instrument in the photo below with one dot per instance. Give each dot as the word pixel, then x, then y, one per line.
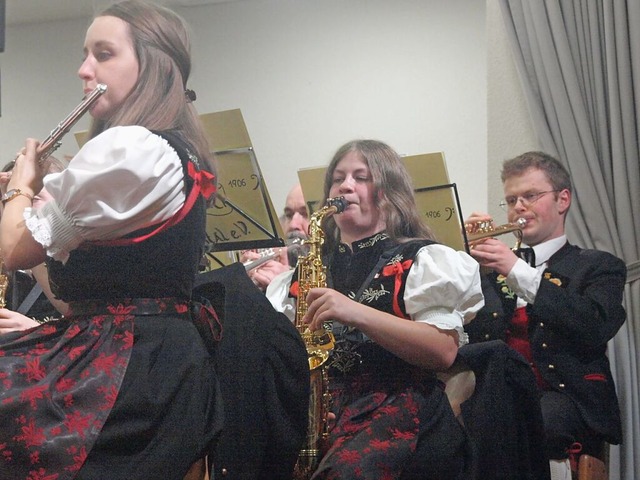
pixel 270 253
pixel 52 142
pixel 481 230
pixel 312 274
pixel 4 284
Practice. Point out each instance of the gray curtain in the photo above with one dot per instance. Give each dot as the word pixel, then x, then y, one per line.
pixel 579 63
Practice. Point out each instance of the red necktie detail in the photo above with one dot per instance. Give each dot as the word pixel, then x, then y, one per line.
pixel 518 339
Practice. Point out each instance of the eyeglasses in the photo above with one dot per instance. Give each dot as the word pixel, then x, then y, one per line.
pixel 527 199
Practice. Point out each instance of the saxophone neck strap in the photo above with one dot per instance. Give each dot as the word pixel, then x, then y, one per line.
pixel 382 261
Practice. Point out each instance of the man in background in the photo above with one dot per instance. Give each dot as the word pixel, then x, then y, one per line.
pixel 295 225
pixel 558 309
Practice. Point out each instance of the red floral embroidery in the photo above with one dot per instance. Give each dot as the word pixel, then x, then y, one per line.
pixel 49 329
pixel 105 364
pixel 76 422
pixel 33 370
pixel 31 435
pixel 72 331
pixel 380 444
pixel 76 352
pixel 32 394
pixel 41 474
pixel 65 384
pixel 349 456
pixel 121 309
pixel 402 434
pixel 127 343
pixel 110 397
pixel 78 460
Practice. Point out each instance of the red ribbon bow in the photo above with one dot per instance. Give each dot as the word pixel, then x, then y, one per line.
pixel 397 269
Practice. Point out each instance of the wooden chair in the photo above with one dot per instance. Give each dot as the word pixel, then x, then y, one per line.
pixel 591 468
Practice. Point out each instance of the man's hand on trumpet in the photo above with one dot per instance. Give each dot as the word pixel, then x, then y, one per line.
pixel 490 252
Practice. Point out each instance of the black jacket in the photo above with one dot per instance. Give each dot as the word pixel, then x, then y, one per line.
pixel 263 369
pixel 577 310
pixel 503 415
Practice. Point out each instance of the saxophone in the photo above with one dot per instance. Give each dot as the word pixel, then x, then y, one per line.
pixel 319 344
pixel 4 284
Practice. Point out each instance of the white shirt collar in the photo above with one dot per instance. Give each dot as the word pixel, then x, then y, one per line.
pixel 545 250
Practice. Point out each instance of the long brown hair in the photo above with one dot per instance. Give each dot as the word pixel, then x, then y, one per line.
pixel 158 101
pixel 392 191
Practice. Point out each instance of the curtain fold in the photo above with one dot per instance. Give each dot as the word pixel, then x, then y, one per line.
pixel 579 65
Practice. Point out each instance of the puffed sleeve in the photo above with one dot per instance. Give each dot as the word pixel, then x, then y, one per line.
pixel 122 180
pixel 278 294
pixel 443 289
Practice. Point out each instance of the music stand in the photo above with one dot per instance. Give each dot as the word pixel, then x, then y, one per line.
pixel 436 197
pixel 243 215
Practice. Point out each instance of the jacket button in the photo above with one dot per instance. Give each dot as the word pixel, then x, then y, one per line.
pixel 561 385
pixel 487 336
pixel 544 345
pixel 542 324
pixel 552 367
pixel 224 472
pixel 495 314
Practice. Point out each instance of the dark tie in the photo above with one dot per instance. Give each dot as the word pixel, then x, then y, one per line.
pixel 528 255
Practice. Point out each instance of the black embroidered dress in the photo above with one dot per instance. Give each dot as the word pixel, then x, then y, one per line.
pixel 386 409
pixel 123 387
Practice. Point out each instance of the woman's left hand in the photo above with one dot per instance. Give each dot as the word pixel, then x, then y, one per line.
pixel 326 304
pixel 11 321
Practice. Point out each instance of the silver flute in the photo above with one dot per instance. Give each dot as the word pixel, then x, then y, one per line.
pixel 52 142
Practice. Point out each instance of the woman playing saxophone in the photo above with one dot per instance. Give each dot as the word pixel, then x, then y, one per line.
pixel 397 302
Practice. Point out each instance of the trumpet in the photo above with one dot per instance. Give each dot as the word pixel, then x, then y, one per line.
pixel 480 230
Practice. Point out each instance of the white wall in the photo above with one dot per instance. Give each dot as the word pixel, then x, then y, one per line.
pixel 308 76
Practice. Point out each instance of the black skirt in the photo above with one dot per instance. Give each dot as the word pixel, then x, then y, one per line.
pixel 118 394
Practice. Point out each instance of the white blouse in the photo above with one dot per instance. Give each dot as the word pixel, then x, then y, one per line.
pixel 524 279
pixel 122 180
pixel 442 289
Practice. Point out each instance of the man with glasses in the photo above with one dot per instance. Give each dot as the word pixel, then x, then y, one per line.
pixel 559 311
